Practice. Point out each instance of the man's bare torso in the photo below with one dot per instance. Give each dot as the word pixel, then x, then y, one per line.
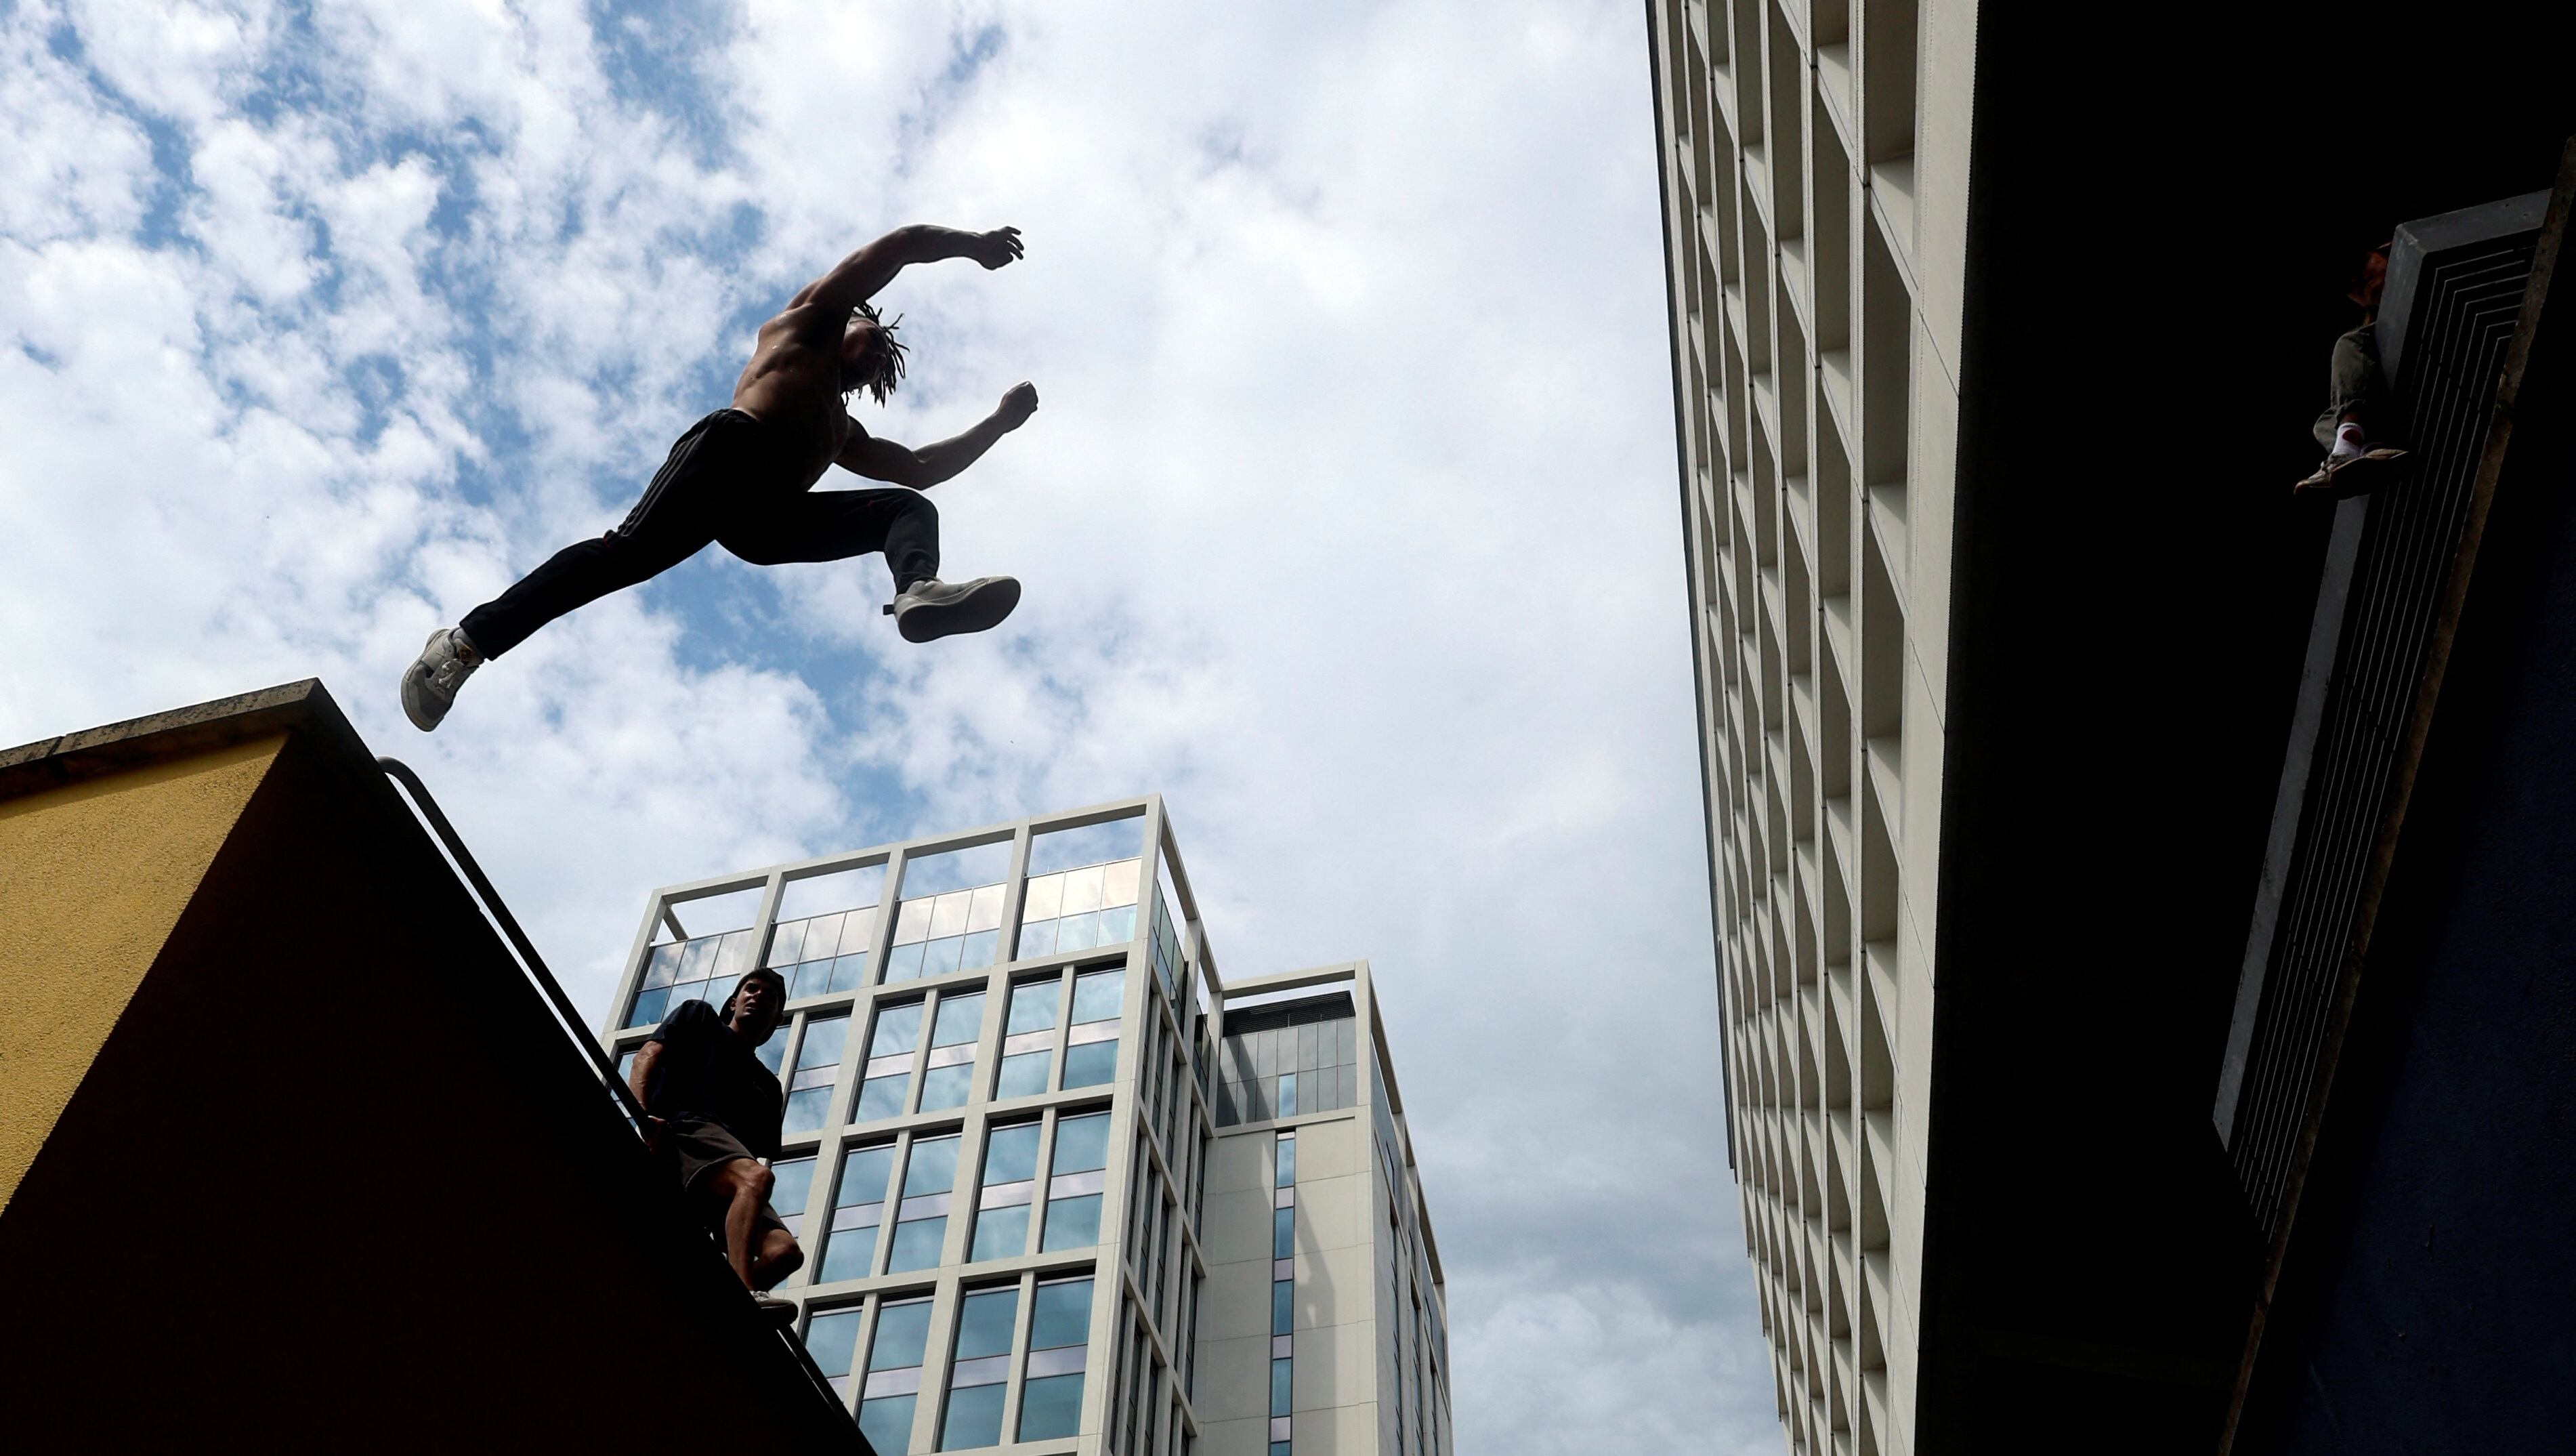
pixel 793 385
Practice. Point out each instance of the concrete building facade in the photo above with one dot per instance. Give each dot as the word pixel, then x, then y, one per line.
pixel 1814 178
pixel 1993 367
pixel 1060 1186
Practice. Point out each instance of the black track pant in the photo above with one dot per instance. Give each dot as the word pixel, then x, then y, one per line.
pixel 722 483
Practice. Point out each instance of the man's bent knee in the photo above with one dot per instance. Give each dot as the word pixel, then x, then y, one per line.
pixel 732 1179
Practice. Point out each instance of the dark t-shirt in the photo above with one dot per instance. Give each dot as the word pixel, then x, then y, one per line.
pixel 707 1070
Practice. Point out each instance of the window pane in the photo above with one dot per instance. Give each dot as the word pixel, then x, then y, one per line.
pixel 903 1333
pixel 824 1038
pixel 917 1244
pixel 864 1174
pixel 648 1007
pixel 1073 1223
pixel 903 963
pixel 1117 925
pixel 898 1030
pixel 887 1423
pixel 1096 996
pixel 772 1051
pixel 1288 1095
pixel 807 1110
pixel 1283 1232
pixel 1037 937
pixel 1078 932
pixel 849 972
pixel 881 1097
pixel 1000 1233
pixel 795 1180
pixel 975 952
pixel 1283 1307
pixel 1011 1154
pixel 832 1339
pixel 1051 1408
pixel 984 910
pixel 1081 1143
pixel 974 1418
pixel 1287 1162
pixel 984 1321
pixel 847 1254
pixel 1060 1316
pixel 1279 1391
pixel 662 966
pixel 1091 1064
pixel 1024 1075
pixel 934 1167
pixel 961 1020
pixel 945 1087
pixel 1033 1006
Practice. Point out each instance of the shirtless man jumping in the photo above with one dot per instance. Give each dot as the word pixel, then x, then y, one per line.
pixel 744 476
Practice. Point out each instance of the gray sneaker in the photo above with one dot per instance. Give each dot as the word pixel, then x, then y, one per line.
pixel 931 608
pixel 429 685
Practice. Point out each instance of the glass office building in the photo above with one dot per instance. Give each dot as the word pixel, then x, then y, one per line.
pixel 1052 1192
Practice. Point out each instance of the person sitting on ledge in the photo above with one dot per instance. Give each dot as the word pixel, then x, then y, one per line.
pixel 2355 397
pixel 713 1111
pixel 744 477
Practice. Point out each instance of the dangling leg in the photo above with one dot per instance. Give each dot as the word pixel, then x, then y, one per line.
pixel 834 525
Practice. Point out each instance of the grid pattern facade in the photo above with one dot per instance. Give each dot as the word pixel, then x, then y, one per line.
pixel 994 1163
pixel 999 1165
pixel 1813 159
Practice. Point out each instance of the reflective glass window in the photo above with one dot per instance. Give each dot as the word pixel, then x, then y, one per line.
pixel 1028 1037
pixel 832 1338
pixel 887 1080
pixel 1009 1187
pixel 1074 1186
pixel 1091 1056
pixel 1059 1340
pixel 818 1070
pixel 950 1071
pixel 951 913
pixel 981 1369
pixel 921 1221
pixel 894 1374
pixel 795 1181
pixel 858 1207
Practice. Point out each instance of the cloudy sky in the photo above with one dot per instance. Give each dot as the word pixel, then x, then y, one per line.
pixel 1347 522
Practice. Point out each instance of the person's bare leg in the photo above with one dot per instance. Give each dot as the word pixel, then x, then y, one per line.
pixel 742 1184
pixel 775 1259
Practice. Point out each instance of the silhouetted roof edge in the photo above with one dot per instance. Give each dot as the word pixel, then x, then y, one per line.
pixel 89 753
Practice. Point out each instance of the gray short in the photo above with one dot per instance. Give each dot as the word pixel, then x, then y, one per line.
pixel 699 1147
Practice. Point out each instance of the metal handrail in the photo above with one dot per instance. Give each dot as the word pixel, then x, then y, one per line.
pixel 535 965
pixel 402 774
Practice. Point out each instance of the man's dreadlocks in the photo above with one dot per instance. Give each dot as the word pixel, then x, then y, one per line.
pixel 883 368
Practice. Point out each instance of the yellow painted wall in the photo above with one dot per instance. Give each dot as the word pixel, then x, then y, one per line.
pixel 92 880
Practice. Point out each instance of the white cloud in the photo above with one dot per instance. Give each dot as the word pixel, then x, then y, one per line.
pixel 1347 521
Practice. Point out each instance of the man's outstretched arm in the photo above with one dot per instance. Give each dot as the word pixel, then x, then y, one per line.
pixel 855 279
pixel 924 466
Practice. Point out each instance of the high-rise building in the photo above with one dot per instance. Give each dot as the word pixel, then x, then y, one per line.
pixel 1814 176
pixel 1060 1186
pixel 2056 754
